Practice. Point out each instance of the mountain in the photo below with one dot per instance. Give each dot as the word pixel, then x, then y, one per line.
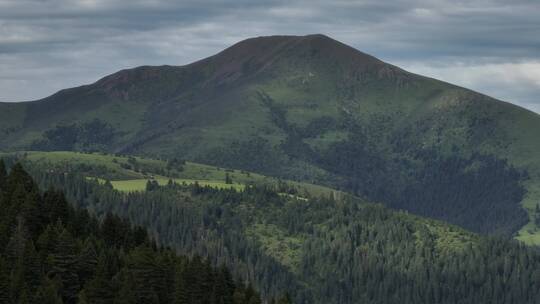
pixel 312 109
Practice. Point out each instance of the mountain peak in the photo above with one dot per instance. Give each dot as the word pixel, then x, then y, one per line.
pixel 252 56
pixel 313 43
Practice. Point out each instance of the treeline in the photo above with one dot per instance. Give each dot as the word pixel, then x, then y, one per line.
pixel 51 252
pixel 480 192
pixel 93 135
pixel 322 250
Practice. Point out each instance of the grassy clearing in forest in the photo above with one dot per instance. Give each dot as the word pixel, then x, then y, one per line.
pixel 140 184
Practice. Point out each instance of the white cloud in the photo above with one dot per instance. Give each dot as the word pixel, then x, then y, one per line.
pixel 513 82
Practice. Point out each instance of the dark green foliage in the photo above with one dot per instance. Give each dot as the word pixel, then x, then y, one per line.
pixel 99 289
pixel 48 292
pixel 89 136
pixel 151 185
pixel 64 266
pixel 3 174
pixel 55 207
pixel 228 179
pixel 5 288
pixel 95 133
pixel 537 215
pixel 174 166
pixel 321 250
pixel 286 299
pixel 255 154
pixel 61 255
pixel 481 193
pixel 61 138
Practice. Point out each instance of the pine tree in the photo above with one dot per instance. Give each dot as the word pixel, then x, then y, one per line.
pixel 99 290
pixel 31 213
pixel 65 266
pixel 126 294
pixel 55 206
pixel 46 245
pixel 251 296
pixel 181 292
pixel 24 296
pixel 3 175
pixel 87 260
pixel 223 291
pixel 4 283
pixel 108 185
pixel 47 293
pixel 147 274
pixel 537 215
pixel 18 240
pixel 113 230
pixel 31 264
pixel 285 299
pixel 228 179
pixel 19 177
pixel 152 185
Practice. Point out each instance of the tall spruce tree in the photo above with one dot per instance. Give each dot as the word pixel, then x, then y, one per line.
pixel 4 282
pixel 64 268
pixel 47 292
pixel 3 175
pixel 99 290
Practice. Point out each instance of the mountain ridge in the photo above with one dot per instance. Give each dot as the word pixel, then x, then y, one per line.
pixel 299 107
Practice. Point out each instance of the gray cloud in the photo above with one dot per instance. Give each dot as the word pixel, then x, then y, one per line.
pixel 492 46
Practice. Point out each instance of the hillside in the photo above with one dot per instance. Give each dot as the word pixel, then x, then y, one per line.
pixel 319 249
pixel 311 109
pixel 51 252
pixel 130 174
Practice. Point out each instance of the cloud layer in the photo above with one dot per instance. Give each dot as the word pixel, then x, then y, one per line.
pixel 492 46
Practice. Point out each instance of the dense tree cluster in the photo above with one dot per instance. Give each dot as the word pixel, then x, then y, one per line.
pixel 323 250
pixel 476 191
pixel 53 253
pixel 89 136
pixel 256 154
pixel 536 215
pixel 481 193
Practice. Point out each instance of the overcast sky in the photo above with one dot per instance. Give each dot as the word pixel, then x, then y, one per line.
pixel 492 46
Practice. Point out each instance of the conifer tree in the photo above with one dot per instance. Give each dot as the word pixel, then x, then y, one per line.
pixel 3 175
pixel 108 185
pixel 4 282
pixel 87 260
pixel 126 294
pixel 99 290
pixel 20 237
pixel 228 179
pixel 64 266
pixel 31 265
pixel 285 299
pixel 146 273
pixel 31 214
pixel 19 177
pixel 47 293
pixel 55 206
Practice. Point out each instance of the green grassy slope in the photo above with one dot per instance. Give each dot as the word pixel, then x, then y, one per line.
pixel 275 105
pixel 132 173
